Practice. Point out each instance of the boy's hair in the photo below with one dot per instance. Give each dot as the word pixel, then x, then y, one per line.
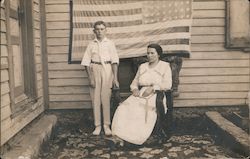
pixel 99 23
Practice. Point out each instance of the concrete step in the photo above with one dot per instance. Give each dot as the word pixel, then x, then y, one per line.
pixel 230 133
pixel 27 145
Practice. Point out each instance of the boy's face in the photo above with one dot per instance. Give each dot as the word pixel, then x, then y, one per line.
pixel 100 31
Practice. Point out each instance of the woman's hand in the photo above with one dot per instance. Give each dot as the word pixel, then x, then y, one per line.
pixel 148 91
pixel 135 92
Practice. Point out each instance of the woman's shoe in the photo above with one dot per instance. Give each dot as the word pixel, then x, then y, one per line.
pixel 107 130
pixel 97 130
pixel 119 141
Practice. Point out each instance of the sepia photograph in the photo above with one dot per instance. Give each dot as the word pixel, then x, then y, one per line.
pixel 125 79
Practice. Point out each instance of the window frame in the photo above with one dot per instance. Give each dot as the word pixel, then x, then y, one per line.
pixel 237 43
pixel 25 100
pixel 16 40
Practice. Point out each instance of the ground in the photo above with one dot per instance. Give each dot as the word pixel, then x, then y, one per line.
pixel 72 139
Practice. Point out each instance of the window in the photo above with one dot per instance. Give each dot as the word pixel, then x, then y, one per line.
pixel 238 24
pixel 21 54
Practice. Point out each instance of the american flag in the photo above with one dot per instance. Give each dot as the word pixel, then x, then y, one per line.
pixel 133 24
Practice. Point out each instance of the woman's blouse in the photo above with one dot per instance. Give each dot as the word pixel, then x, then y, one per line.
pixel 160 76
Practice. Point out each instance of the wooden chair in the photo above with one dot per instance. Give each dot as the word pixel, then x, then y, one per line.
pixel 127 70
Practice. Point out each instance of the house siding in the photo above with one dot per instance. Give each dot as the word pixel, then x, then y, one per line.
pixel 212 76
pixel 12 125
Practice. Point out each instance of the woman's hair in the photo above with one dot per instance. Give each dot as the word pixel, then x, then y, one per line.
pixel 99 23
pixel 157 47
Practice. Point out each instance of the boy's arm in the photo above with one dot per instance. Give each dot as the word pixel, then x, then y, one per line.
pixel 91 77
pixel 115 73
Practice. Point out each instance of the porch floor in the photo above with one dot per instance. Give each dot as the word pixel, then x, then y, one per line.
pixel 72 139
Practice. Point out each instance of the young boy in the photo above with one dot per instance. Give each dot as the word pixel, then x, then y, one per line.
pixel 101 62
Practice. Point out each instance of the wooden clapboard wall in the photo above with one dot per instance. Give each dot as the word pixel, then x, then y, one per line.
pixel 68 83
pixel 11 125
pixel 213 76
pixel 5 90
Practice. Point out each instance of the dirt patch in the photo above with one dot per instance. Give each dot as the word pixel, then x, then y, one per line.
pixel 72 139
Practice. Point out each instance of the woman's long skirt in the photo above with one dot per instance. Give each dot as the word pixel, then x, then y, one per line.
pixel 135 118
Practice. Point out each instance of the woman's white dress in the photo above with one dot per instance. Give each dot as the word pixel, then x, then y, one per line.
pixel 135 118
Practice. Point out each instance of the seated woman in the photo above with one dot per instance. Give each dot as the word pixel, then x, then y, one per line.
pixel 135 118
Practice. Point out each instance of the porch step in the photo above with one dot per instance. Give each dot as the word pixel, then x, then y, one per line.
pixel 239 140
pixel 27 145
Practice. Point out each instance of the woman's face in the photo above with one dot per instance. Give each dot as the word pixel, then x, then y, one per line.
pixel 152 55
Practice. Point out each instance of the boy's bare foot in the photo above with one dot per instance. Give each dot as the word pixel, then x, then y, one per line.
pixel 107 130
pixel 97 130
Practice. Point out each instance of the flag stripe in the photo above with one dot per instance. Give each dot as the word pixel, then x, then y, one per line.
pixel 100 2
pixel 122 47
pixel 133 52
pixel 110 19
pixel 108 7
pixel 146 38
pixel 142 51
pixel 143 27
pixel 161 42
pixel 78 36
pixel 110 24
pixel 107 13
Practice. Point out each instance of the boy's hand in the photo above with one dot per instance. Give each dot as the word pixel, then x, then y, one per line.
pixel 115 83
